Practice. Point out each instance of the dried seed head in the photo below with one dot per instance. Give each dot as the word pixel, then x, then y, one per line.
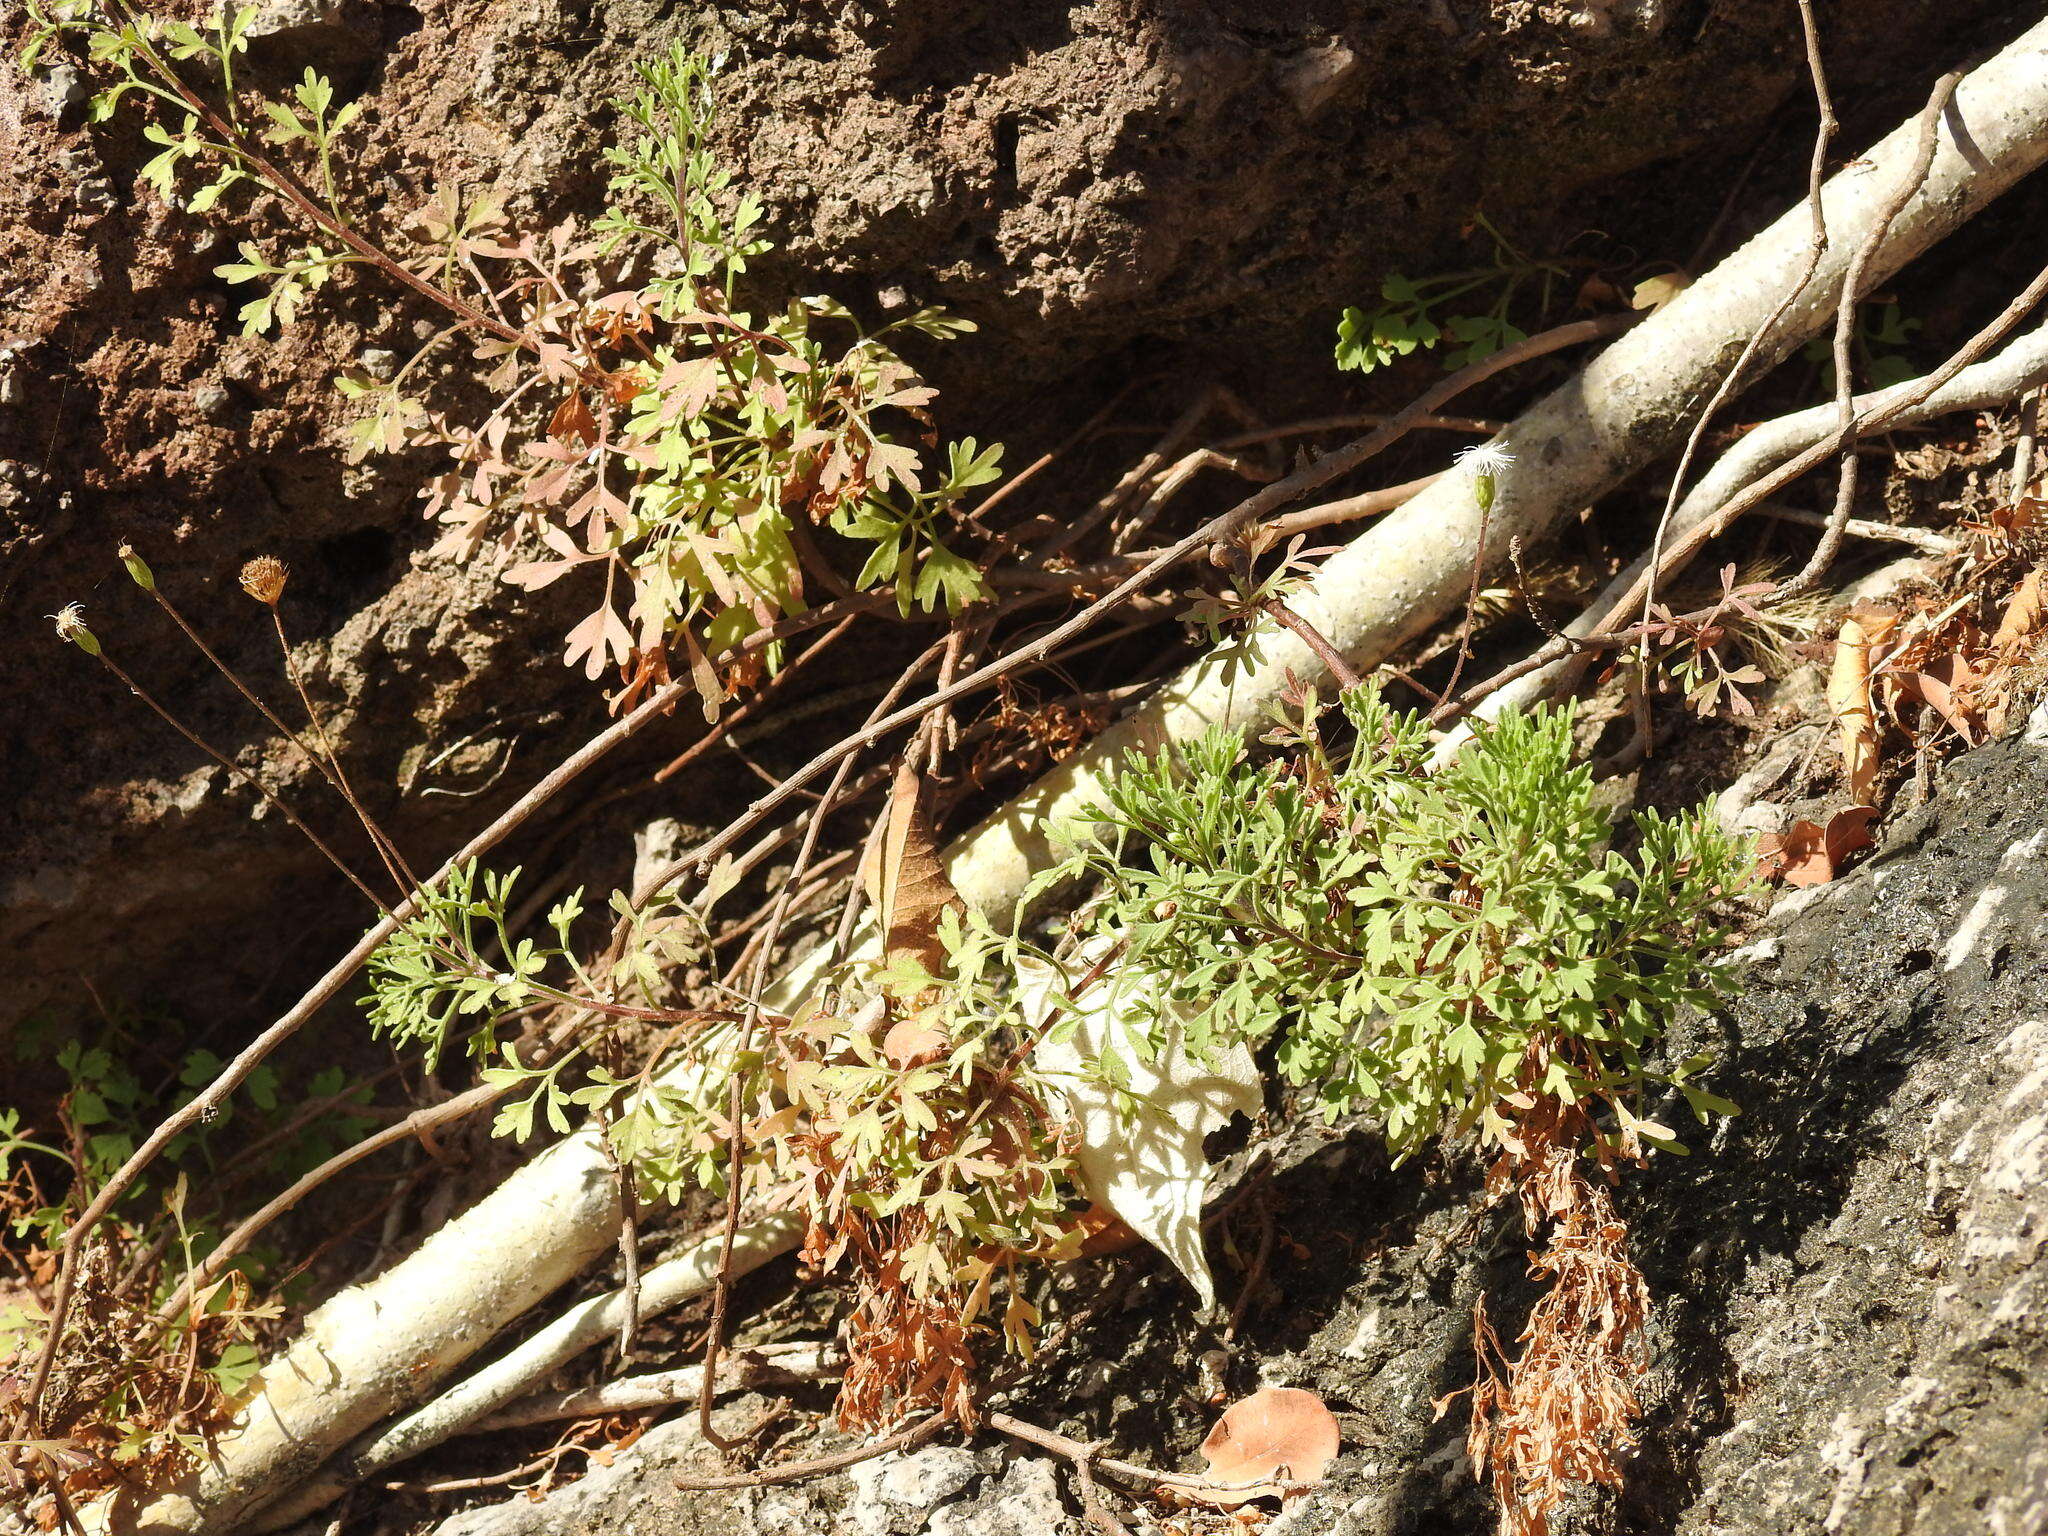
pixel 70 622
pixel 138 568
pixel 263 579
pixel 1485 458
pixel 1485 461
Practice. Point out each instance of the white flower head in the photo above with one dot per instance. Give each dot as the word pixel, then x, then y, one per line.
pixel 1485 458
pixel 70 622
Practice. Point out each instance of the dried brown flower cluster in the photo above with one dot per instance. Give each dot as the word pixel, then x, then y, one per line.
pixel 263 579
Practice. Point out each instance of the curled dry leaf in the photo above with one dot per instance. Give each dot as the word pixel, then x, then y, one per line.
pixel 1948 685
pixel 1809 854
pixel 904 878
pixel 2026 613
pixel 1861 635
pixel 1276 1437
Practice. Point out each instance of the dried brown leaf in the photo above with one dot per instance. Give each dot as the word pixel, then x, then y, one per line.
pixel 2026 613
pixel 1949 684
pixel 905 879
pixel 1807 853
pixel 1277 1435
pixel 572 418
pixel 1849 697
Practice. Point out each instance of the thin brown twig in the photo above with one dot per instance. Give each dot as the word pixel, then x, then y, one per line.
pixel 1093 1510
pixel 1845 334
pixel 1477 426
pixel 545 1462
pixel 1175 478
pixel 1351 508
pixel 824 874
pixel 733 718
pixel 1832 535
pixel 1074 1450
pixel 1073 440
pixel 917 1434
pixel 1346 675
pixel 1107 504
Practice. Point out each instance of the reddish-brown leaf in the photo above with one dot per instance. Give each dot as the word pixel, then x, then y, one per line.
pixel 572 418
pixel 1278 1434
pixel 912 1042
pixel 1946 684
pixel 1807 854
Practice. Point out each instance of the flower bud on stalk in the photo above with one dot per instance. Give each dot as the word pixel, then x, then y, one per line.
pixel 138 568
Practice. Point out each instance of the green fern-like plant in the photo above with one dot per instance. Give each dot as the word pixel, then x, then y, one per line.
pixel 1432 947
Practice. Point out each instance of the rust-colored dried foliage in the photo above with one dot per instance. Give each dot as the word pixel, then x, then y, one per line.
pixel 1021 734
pixel 122 1406
pixel 1564 1411
pixel 902 1169
pixel 921 1147
pixel 1949 670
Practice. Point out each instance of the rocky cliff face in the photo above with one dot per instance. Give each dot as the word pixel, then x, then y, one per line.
pixel 1851 1277
pixel 1852 1292
pixel 1109 188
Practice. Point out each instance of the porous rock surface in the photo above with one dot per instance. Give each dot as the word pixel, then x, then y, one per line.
pixel 1107 187
pixel 1851 1278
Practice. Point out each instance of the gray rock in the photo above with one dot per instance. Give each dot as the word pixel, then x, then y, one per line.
pixel 894 1495
pixel 211 401
pixel 61 86
pixel 1024 1501
pixel 276 17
